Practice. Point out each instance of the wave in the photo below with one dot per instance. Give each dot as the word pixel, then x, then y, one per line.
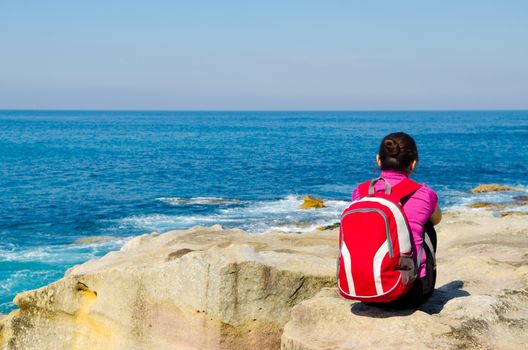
pixel 26 268
pixel 198 201
pixel 460 200
pixel 283 214
pixel 257 217
pixel 62 253
pixel 18 280
pixel 24 265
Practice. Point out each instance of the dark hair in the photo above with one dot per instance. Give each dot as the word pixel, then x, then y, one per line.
pixel 397 151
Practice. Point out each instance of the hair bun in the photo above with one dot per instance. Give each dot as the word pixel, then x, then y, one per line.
pixel 392 147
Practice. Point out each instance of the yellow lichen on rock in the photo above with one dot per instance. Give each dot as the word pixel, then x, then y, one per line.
pixel 85 323
pixel 6 332
pixel 311 202
pixel 493 188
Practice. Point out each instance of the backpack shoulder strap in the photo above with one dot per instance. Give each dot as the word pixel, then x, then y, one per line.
pixel 363 188
pixel 405 188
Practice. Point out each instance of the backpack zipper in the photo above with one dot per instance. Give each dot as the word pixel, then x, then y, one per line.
pixel 385 219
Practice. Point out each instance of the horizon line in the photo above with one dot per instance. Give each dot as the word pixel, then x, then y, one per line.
pixel 263 110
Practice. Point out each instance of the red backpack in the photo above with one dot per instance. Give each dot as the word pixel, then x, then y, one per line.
pixel 376 263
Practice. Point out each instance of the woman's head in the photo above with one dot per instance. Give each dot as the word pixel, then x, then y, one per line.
pixel 398 152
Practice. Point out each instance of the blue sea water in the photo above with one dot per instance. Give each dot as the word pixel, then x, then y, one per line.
pixel 66 175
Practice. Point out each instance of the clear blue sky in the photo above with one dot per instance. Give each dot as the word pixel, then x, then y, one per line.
pixel 242 54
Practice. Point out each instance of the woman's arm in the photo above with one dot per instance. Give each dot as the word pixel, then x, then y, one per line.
pixel 436 216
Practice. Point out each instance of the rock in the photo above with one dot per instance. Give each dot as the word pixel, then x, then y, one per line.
pixel 311 202
pixel 511 212
pixel 496 206
pixel 205 288
pixel 329 227
pixel 480 301
pixel 210 288
pixel 298 224
pixel 93 239
pixel 328 321
pixel 487 205
pixel 493 188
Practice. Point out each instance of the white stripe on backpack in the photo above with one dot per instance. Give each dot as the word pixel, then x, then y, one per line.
pixel 404 238
pixel 348 268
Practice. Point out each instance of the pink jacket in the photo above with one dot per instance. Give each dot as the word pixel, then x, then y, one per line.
pixel 418 209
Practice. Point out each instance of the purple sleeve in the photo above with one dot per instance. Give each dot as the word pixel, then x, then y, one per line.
pixel 418 209
pixel 421 205
pixel 355 194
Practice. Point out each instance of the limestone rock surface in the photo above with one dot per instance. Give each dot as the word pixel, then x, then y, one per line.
pixel 480 301
pixel 210 288
pixel 204 288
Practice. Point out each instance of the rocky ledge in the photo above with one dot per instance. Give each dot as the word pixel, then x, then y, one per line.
pixel 204 288
pixel 209 288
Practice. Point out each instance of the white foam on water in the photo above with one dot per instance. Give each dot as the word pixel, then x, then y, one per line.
pixel 22 267
pixel 66 253
pixel 20 280
pixel 198 201
pixel 259 216
pixel 460 200
pixel 284 214
pixel 14 279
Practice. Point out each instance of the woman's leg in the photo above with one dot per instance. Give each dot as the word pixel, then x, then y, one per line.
pixel 431 232
pixel 430 279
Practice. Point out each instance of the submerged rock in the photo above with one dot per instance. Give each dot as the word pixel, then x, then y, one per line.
pixel 311 202
pixel 493 188
pixel 329 227
pixel 496 206
pixel 511 212
pixel 521 198
pixel 479 205
pixel 93 239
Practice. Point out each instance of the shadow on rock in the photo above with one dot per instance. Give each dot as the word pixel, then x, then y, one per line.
pixel 433 305
pixel 442 295
pixel 377 311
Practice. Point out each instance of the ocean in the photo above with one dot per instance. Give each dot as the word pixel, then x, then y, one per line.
pixel 73 175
